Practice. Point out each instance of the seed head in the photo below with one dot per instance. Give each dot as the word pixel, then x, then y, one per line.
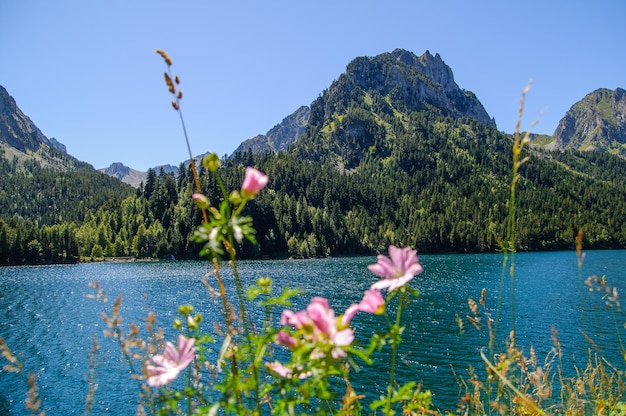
pixel 170 84
pixel 165 56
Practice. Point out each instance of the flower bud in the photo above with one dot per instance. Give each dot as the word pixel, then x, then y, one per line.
pixel 191 323
pixel 201 201
pixel 185 310
pixel 211 162
pixel 264 281
pixel 253 181
pixel 235 197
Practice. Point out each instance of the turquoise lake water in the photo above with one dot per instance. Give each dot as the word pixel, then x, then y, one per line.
pixel 48 321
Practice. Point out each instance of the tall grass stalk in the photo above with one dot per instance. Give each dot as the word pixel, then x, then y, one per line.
pixel 509 243
pixel 172 82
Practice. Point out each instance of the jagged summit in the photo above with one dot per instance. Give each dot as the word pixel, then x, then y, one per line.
pixel 429 65
pixel 597 122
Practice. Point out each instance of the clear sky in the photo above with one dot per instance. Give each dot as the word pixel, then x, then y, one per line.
pixel 86 73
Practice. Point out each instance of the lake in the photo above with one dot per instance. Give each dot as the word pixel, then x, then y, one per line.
pixel 48 321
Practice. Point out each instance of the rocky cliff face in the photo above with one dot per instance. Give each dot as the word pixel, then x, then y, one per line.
pixel 597 122
pixel 21 138
pixel 417 82
pixel 16 129
pixel 280 136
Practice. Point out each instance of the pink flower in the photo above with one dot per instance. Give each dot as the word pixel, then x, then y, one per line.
pixel 253 181
pixel 295 319
pixel 341 338
pixel 279 369
pixel 372 302
pixel 349 313
pixel 322 316
pixel 285 372
pixel 285 339
pixel 320 325
pixel 397 272
pixel 168 365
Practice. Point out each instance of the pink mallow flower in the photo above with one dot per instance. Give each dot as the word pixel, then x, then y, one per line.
pixel 173 360
pixel 372 302
pixel 285 339
pixel 253 181
pixel 397 271
pixel 320 319
pixel 285 372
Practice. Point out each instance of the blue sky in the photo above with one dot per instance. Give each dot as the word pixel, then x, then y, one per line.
pixel 86 73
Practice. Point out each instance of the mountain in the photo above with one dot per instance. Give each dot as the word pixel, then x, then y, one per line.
pixel 125 174
pixel 20 138
pixel 279 137
pixel 41 182
pixel 393 152
pixel 134 177
pixel 367 107
pixel 597 122
pixel 416 82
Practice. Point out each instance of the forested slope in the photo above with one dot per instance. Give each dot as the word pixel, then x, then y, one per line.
pixel 394 152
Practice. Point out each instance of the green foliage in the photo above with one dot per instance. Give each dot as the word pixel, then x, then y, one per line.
pixel 379 176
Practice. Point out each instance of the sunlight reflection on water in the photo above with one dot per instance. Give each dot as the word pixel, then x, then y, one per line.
pixel 45 316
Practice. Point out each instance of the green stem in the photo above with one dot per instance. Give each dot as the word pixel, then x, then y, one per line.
pixel 394 350
pixel 247 324
pixel 240 207
pixel 220 182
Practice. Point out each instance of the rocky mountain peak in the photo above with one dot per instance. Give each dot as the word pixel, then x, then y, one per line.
pixel 7 103
pixel 432 66
pixel 125 174
pixel 16 129
pixel 414 82
pixel 597 122
pixel 117 168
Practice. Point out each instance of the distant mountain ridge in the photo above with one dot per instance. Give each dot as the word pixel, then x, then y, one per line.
pixel 422 82
pixel 400 80
pixel 125 174
pixel 597 122
pixel 134 177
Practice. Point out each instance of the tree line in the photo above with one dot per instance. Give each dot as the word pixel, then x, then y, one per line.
pixel 439 184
